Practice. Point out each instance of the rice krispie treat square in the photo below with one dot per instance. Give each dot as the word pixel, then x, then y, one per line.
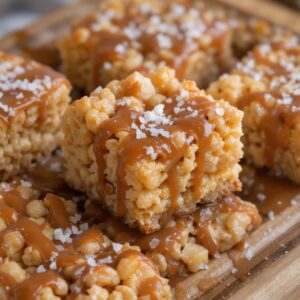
pixel 134 35
pixel 151 147
pixel 48 252
pixel 187 243
pixel 266 86
pixel 33 99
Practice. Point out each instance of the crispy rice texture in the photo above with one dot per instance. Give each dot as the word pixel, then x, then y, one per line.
pixel 127 276
pixel 147 196
pixel 82 49
pixel 176 248
pixel 249 77
pixel 25 138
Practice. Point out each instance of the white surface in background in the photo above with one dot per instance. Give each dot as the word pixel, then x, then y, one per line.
pixel 16 14
pixel 15 21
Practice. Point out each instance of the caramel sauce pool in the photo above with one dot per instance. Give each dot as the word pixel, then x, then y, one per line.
pixel 267 192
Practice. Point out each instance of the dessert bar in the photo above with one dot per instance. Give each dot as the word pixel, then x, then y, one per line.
pixel 48 252
pixel 33 99
pixel 266 86
pixel 149 147
pixel 186 244
pixel 124 36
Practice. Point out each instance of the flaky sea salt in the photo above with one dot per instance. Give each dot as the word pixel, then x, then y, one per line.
pixel 271 215
pixel 261 197
pixel 220 111
pixel 248 253
pixel 76 218
pixel 63 236
pixel 154 243
pixel 164 41
pixel 117 247
pixel 40 269
pixel 90 259
pixel 150 151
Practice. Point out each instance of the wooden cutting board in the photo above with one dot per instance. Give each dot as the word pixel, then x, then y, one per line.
pixel 274 270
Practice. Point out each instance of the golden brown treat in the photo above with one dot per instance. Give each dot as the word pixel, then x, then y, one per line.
pixel 266 85
pixel 186 243
pixel 47 252
pixel 123 36
pixel 32 100
pixel 150 147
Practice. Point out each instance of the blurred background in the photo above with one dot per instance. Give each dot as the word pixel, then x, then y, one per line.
pixel 15 14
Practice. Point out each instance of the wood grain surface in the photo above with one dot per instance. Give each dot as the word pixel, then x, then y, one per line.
pixel 268 10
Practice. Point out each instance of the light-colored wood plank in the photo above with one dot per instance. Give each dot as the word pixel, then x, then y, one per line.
pixel 278 281
pixel 268 10
pixel 197 284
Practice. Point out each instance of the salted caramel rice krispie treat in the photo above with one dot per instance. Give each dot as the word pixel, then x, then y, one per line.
pixel 127 35
pixel 266 85
pixel 186 243
pixel 47 252
pixel 32 100
pixel 150 147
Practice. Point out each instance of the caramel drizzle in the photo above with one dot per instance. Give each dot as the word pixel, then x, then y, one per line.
pixel 102 43
pixel 68 256
pixel 163 241
pixel 225 205
pixel 151 287
pixel 277 120
pixel 7 281
pixel 32 235
pixel 31 287
pixel 58 214
pixel 131 149
pixel 166 240
pixel 32 71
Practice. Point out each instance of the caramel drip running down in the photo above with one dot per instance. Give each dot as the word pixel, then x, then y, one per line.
pixel 269 193
pixel 25 85
pixel 205 217
pixel 103 44
pixel 58 214
pixel 280 118
pixel 277 121
pixel 132 149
